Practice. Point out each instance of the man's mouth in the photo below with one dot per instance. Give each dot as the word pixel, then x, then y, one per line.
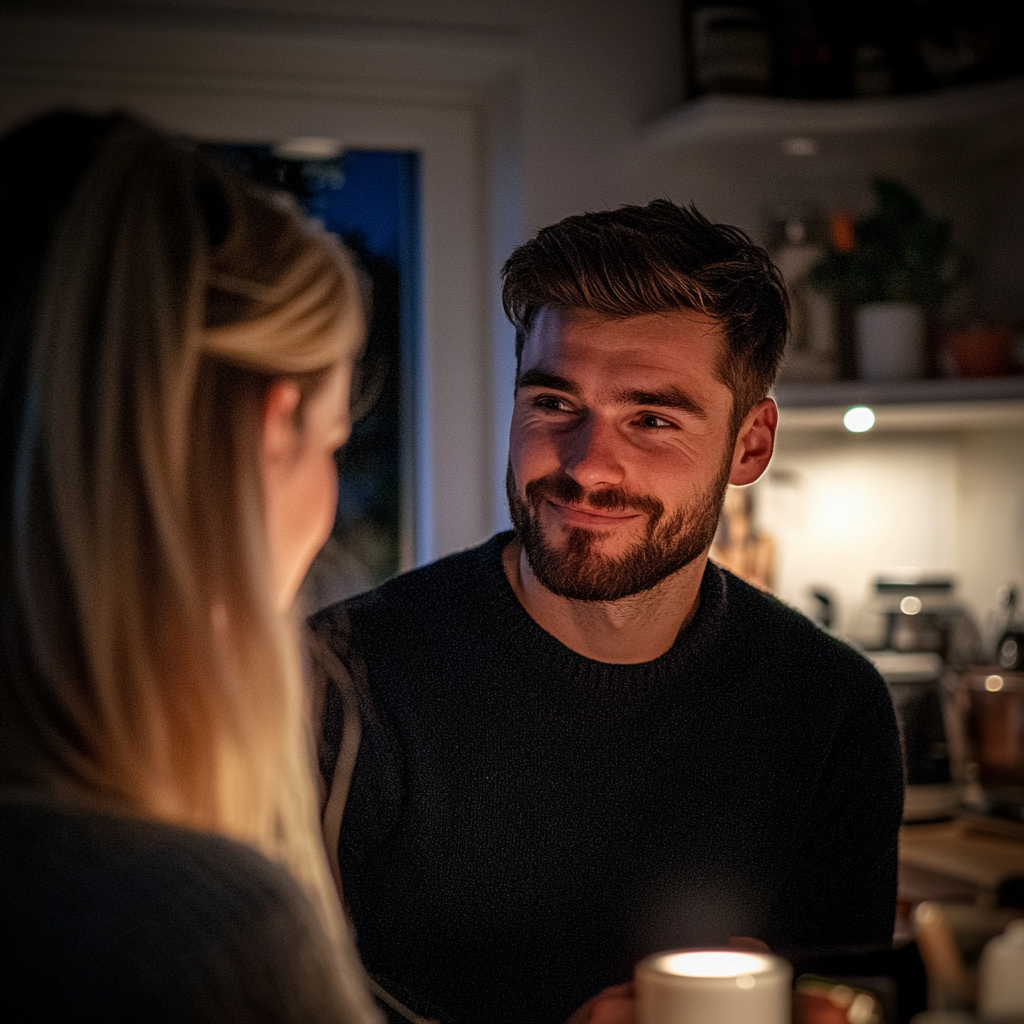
pixel 588 517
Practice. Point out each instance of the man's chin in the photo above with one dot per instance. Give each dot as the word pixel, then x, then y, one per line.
pixel 577 572
pixel 609 542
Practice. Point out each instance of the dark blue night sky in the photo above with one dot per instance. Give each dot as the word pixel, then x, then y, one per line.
pixel 367 194
pixel 370 197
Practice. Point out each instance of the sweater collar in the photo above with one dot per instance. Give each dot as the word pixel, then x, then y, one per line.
pixel 694 639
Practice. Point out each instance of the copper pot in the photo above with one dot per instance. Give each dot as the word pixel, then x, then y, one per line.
pixel 990 701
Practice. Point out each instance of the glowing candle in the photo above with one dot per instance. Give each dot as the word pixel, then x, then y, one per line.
pixel 713 986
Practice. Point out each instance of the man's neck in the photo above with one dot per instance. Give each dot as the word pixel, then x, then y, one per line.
pixel 629 631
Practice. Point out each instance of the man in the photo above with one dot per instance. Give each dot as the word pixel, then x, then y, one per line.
pixel 583 742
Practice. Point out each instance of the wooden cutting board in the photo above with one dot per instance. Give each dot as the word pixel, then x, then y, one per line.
pixel 957 851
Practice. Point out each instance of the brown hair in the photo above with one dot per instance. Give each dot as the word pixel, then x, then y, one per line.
pixel 657 259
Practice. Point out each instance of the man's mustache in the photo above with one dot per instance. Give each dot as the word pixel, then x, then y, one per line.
pixel 564 489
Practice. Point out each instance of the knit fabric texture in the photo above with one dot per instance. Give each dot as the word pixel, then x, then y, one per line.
pixel 110 919
pixel 525 824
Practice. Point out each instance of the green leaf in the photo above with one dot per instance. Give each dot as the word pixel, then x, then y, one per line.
pixel 902 254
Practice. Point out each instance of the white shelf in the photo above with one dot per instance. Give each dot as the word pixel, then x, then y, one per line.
pixel 985 118
pixel 989 403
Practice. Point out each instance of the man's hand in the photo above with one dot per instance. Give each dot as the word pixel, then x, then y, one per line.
pixel 615 1005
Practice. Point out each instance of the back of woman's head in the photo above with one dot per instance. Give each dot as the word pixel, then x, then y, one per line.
pixel 148 303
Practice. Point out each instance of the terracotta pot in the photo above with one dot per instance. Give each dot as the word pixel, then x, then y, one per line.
pixel 983 351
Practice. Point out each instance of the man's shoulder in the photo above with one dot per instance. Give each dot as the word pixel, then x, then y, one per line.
pixel 450 580
pixel 776 634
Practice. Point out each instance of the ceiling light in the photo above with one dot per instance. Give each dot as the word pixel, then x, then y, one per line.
pixel 308 147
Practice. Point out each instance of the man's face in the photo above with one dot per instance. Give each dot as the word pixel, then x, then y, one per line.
pixel 620 449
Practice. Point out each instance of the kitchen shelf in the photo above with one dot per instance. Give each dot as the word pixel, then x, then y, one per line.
pixel 985 118
pixel 951 404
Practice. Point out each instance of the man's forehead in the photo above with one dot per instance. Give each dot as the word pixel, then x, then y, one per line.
pixel 558 329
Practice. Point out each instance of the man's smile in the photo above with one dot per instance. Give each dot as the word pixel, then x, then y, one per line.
pixel 588 517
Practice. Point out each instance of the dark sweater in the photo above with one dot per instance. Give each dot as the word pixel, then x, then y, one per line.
pixel 524 823
pixel 109 919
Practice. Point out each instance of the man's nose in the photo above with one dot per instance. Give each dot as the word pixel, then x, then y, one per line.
pixel 592 454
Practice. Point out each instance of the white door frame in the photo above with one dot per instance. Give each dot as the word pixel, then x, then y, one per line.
pixel 450 96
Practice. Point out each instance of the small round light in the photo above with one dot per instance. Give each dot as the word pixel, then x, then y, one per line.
pixel 858 419
pixel 993 683
pixel 910 605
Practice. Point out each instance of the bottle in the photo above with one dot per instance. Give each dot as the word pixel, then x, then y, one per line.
pixel 796 243
pixel 1001 976
pixel 1010 648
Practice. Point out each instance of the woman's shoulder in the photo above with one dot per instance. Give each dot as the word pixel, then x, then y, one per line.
pixel 108 917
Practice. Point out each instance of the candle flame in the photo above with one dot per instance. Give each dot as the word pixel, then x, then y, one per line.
pixel 714 964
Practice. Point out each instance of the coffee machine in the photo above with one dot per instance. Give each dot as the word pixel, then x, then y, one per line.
pixel 918 634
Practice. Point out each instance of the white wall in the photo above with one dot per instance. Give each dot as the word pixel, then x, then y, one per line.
pixel 843 508
pixel 990 517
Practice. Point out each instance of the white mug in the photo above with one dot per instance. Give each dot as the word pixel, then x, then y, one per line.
pixel 713 986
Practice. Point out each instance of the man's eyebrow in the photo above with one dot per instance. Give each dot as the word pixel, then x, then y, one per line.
pixel 535 378
pixel 667 398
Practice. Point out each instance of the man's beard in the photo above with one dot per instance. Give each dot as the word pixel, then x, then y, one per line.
pixel 578 571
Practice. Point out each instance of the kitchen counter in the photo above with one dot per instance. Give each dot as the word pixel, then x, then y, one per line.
pixel 953 862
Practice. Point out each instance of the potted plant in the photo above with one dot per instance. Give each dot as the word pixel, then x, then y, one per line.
pixel 894 265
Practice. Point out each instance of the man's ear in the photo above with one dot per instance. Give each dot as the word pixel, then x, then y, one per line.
pixel 277 424
pixel 755 443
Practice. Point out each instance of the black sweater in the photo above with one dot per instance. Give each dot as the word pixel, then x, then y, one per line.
pixel 524 823
pixel 113 920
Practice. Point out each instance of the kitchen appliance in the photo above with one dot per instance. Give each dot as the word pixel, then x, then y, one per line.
pixel 915 681
pixel 990 706
pixel 914 629
pixel 911 611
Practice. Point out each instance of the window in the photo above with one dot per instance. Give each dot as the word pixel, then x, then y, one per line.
pixel 370 200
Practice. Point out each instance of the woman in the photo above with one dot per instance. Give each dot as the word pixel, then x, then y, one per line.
pixel 176 349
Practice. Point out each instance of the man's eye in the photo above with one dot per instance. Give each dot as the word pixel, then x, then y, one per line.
pixel 551 402
pixel 652 422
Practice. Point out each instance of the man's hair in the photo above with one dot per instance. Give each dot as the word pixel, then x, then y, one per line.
pixel 658 258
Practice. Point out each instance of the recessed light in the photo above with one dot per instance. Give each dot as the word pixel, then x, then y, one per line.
pixel 858 419
pixel 800 145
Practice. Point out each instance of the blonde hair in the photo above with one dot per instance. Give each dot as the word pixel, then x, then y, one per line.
pixel 151 667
